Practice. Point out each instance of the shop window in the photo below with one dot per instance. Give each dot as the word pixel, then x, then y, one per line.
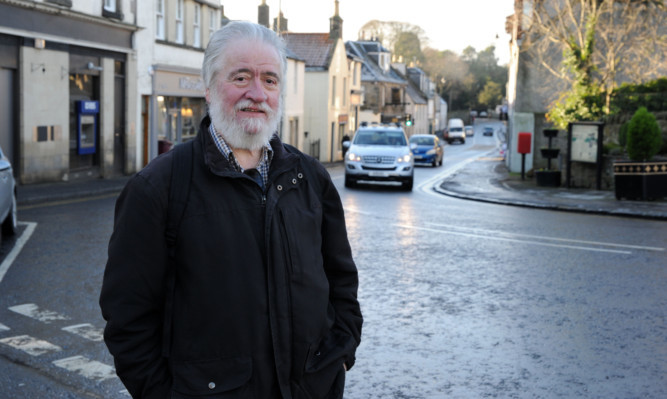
pixel 192 112
pixel 178 118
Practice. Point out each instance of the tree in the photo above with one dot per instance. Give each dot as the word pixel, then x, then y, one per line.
pixel 449 72
pixel 397 37
pixel 592 46
pixel 461 79
pixel 491 95
pixel 408 48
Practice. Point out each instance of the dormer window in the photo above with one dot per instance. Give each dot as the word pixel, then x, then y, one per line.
pixel 384 61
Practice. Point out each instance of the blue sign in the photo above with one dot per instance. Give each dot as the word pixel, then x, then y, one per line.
pixel 88 107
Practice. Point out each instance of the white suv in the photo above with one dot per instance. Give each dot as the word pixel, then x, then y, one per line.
pixel 379 153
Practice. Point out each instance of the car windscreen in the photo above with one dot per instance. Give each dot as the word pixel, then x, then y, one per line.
pixel 455 129
pixel 421 140
pixel 380 137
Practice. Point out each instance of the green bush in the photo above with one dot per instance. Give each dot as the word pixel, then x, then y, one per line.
pixel 652 95
pixel 644 137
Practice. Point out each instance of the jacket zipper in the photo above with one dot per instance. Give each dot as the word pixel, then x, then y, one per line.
pixel 288 265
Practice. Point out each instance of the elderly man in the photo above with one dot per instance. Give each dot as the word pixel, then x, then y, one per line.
pixel 253 293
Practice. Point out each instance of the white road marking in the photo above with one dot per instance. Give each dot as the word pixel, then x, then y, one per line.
pixel 86 331
pixel 30 345
pixel 91 369
pixel 3 327
pixel 428 186
pixel 497 232
pixel 31 310
pixel 491 237
pixel 18 246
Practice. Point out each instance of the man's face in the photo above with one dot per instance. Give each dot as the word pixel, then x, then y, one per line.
pixel 244 100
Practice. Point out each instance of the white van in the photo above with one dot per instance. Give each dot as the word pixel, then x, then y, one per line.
pixel 455 131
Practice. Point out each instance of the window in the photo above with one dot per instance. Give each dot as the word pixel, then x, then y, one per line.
pixel 64 3
pixel 111 9
pixel 384 61
pixel 179 21
pixel 295 80
pixel 196 26
pixel 212 22
pixel 344 91
pixel 110 5
pixel 396 96
pixel 333 91
pixel 159 22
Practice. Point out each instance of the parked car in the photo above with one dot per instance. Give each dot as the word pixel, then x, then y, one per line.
pixel 487 131
pixel 483 114
pixel 469 131
pixel 379 153
pixel 427 149
pixel 7 196
pixel 455 131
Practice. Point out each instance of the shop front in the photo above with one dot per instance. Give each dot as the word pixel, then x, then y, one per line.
pixel 177 106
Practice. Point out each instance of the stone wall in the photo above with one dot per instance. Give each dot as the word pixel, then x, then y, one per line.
pixel 583 175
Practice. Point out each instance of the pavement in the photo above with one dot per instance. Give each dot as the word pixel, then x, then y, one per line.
pixel 484 179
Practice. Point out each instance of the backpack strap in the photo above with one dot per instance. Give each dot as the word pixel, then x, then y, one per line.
pixel 179 190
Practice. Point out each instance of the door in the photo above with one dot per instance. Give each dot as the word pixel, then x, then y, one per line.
pixel 119 118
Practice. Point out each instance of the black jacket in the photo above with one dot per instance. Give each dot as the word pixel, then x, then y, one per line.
pixel 265 298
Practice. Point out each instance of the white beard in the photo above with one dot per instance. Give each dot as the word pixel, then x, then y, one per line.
pixel 250 133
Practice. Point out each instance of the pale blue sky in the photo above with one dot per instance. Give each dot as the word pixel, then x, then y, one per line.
pixel 449 24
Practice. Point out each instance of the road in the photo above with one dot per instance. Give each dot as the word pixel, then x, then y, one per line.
pixel 461 299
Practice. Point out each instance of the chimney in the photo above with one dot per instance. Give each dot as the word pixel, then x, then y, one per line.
pixel 336 25
pixel 263 14
pixel 280 23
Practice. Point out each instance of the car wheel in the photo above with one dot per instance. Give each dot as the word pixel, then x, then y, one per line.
pixel 349 182
pixel 10 223
pixel 407 185
pixel 435 162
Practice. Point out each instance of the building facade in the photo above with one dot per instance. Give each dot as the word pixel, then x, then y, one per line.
pixel 170 47
pixel 67 78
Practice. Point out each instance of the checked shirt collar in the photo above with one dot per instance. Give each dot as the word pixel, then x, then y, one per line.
pixel 226 150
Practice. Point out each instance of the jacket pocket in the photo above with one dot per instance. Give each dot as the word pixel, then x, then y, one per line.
pixel 211 378
pixel 327 383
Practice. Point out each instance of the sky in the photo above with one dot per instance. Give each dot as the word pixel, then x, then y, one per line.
pixel 449 24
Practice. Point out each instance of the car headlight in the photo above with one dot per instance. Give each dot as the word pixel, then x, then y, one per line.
pixel 404 159
pixel 353 157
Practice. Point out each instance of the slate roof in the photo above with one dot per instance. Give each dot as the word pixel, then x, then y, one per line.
pixel 316 49
pixel 370 70
pixel 418 97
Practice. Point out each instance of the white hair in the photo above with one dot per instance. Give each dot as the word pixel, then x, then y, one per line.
pixel 214 57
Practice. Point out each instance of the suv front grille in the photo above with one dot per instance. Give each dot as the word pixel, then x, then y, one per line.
pixel 378 160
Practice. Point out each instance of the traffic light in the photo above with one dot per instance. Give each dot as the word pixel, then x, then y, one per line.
pixel 408 119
